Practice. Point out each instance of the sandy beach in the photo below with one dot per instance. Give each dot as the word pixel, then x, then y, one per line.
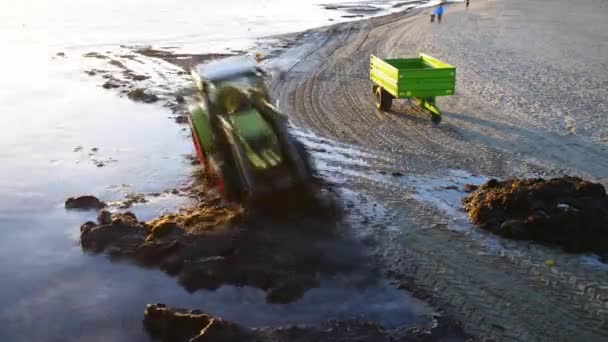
pixel 396 258
pixel 530 101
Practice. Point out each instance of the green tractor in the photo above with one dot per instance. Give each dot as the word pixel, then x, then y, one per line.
pixel 241 140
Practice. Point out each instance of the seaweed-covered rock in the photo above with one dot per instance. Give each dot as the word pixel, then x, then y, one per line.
pixel 104 217
pixel 190 325
pixel 180 325
pixel 566 211
pixel 84 202
pixel 214 244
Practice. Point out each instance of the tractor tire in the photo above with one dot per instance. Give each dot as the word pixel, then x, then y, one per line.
pixel 222 176
pixel 200 155
pixel 306 160
pixel 384 100
pixel 231 185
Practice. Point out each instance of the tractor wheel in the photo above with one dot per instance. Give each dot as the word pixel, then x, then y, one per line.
pixel 306 158
pixel 384 100
pixel 197 147
pixel 228 183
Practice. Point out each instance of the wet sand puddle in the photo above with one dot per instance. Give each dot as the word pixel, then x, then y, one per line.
pixel 346 165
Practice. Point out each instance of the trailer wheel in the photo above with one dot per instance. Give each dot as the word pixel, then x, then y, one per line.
pixel 436 119
pixel 384 100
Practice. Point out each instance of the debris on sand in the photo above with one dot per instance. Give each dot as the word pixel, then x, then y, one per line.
pixel 566 211
pixel 95 55
pixel 140 95
pixel 84 202
pixel 180 325
pixel 111 84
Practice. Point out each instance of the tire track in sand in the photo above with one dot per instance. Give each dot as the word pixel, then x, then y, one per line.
pixel 499 293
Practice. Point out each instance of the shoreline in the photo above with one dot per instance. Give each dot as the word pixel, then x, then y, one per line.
pixel 321 83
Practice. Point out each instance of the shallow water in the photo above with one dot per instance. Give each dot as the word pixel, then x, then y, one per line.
pixel 53 116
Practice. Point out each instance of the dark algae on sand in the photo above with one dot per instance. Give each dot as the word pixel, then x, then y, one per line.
pixel 567 211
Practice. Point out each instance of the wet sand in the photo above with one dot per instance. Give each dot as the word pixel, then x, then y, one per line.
pixel 499 124
pixel 400 177
pixel 530 79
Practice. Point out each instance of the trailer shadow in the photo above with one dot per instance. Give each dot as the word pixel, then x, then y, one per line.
pixel 563 153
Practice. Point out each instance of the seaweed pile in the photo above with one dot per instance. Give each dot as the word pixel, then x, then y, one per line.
pixel 567 211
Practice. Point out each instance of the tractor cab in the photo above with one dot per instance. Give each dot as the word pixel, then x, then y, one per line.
pixel 241 139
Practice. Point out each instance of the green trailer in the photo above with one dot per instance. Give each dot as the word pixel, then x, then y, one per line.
pixel 421 79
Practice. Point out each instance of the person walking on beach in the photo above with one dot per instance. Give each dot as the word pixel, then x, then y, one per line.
pixel 467 3
pixel 439 12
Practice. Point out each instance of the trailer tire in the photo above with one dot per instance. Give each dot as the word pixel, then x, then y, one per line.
pixel 384 100
pixel 436 119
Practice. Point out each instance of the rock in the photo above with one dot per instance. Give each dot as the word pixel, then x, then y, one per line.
pixel 180 98
pixel 149 252
pixel 140 95
pixel 139 77
pixel 397 174
pixel 126 218
pixel 78 149
pixel 131 199
pixel 470 188
pixel 61 54
pixel 94 55
pixel 110 85
pixel 84 202
pixel 87 226
pixel 179 325
pixel 492 183
pixel 104 217
pixel 123 238
pixel 164 228
pixel 181 119
pixel 130 215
